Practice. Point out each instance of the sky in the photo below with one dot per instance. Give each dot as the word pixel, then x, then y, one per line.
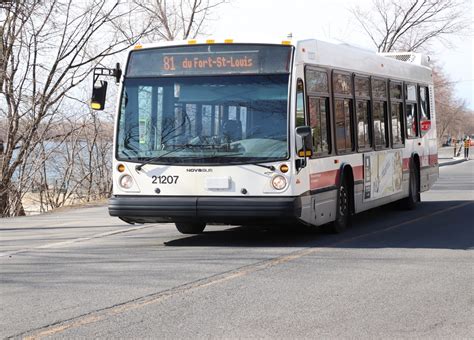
pixel 330 20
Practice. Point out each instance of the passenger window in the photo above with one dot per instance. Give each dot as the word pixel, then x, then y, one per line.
pixel 316 81
pixel 343 124
pixel 411 111
pixel 342 88
pixel 380 131
pixel 425 117
pixel 362 107
pixel 396 113
pixel 318 118
pixel 362 113
pixel 379 96
pixel 317 88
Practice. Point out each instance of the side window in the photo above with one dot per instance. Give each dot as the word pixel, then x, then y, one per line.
pixel 411 111
pixel 396 113
pixel 425 117
pixel 300 119
pixel 342 88
pixel 362 109
pixel 379 115
pixel 317 89
pixel 318 114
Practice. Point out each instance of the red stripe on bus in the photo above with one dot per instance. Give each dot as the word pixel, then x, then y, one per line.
pixel 330 178
pixel 358 173
pixel 406 164
pixel 324 179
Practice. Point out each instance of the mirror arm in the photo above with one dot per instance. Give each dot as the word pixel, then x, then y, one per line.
pixel 108 72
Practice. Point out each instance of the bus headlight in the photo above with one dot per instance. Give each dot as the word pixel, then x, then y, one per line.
pixel 126 181
pixel 279 182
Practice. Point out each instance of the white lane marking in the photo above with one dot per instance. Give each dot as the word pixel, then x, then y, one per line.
pixel 76 240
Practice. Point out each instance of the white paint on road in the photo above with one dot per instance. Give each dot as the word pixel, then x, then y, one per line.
pixel 76 240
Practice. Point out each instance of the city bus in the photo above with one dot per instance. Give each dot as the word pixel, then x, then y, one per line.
pixel 310 132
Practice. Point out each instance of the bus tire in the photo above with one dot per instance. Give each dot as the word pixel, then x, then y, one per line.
pixel 343 209
pixel 190 227
pixel 413 198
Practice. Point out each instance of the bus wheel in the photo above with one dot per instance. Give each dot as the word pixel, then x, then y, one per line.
pixel 190 227
pixel 343 209
pixel 413 193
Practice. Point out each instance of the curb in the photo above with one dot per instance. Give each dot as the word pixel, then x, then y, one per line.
pixel 456 161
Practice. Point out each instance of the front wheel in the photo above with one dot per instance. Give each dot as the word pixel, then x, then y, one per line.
pixel 343 210
pixel 190 227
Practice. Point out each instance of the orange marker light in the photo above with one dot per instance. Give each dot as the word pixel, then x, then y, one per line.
pixel 284 168
pixel 286 42
pixel 229 41
pixel 121 168
pixel 191 42
pixel 210 41
pixel 138 46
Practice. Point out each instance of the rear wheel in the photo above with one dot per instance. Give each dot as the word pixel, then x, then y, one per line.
pixel 343 209
pixel 190 227
pixel 413 198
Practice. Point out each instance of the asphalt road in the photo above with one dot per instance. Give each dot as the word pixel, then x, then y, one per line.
pixel 395 274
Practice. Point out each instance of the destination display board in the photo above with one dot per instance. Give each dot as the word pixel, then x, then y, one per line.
pixel 209 60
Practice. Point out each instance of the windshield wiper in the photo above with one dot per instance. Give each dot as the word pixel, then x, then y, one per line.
pixel 186 146
pixel 270 167
pixel 152 159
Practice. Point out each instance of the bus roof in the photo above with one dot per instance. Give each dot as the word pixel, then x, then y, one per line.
pixel 342 56
pixel 354 59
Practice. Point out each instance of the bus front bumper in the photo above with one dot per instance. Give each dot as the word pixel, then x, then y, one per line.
pixel 232 210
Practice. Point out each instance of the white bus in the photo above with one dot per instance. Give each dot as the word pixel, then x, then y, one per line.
pixel 236 133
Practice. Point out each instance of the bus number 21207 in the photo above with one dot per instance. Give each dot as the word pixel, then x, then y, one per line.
pixel 164 179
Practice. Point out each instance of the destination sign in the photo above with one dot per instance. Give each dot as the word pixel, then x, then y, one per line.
pixel 209 60
pixel 207 63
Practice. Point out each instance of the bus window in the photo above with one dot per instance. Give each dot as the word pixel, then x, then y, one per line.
pixel 362 107
pixel 342 85
pixel 396 113
pixel 379 95
pixel 380 123
pixel 362 113
pixel 411 111
pixel 317 89
pixel 343 125
pixel 425 119
pixel 318 118
pixel 300 119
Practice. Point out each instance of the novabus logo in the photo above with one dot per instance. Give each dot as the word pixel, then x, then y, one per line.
pixel 199 170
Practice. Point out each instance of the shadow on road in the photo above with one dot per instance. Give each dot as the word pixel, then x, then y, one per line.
pixel 440 224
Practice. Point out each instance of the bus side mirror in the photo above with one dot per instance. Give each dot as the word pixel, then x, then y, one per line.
pixel 304 143
pixel 99 93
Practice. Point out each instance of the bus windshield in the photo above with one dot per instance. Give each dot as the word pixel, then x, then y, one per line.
pixel 204 119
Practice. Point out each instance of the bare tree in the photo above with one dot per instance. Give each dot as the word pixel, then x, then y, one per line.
pixel 49 47
pixel 410 24
pixel 453 118
pixel 179 19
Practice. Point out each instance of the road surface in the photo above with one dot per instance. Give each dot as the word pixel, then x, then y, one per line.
pixel 394 274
